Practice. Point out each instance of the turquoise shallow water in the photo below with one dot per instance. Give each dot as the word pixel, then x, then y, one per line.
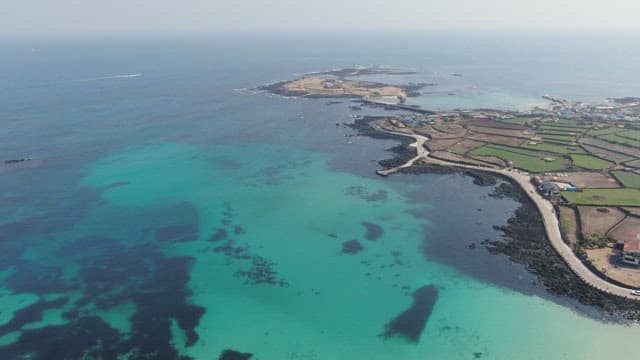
pixel 178 214
pixel 334 305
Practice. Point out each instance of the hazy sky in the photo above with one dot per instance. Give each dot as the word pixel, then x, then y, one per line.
pixel 20 17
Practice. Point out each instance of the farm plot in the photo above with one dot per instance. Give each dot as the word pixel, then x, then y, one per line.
pixel 528 160
pixel 599 220
pixel 628 178
pixel 604 197
pixel 590 162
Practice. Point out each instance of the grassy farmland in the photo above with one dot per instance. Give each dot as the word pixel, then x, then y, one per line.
pixel 522 158
pixel 627 178
pixel 604 131
pixel 559 138
pixel 520 120
pixel 604 197
pixel 616 139
pixel 561 129
pixel 590 162
pixel 554 148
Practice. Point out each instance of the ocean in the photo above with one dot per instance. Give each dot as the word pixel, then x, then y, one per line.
pixel 170 210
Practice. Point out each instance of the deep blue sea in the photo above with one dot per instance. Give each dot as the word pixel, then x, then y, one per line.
pixel 171 211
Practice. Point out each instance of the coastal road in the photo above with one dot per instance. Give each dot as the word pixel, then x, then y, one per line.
pixel 545 208
pixel 421 152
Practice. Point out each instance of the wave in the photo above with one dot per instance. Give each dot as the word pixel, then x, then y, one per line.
pixel 126 76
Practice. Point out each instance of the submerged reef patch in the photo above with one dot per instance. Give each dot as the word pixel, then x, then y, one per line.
pixel 110 274
pixel 229 354
pixel 31 313
pixel 177 233
pixel 261 272
pixel 411 322
pixel 363 193
pixel 352 247
pixel 219 234
pixel 374 231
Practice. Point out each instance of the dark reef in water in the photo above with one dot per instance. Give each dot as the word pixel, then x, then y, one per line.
pixel 31 313
pixel 116 184
pixel 141 274
pixel 361 192
pixel 261 272
pixel 86 338
pixel 352 247
pixel 219 234
pixel 374 231
pixel 183 225
pixel 229 354
pixel 411 322
pixel 177 233
pixel 31 277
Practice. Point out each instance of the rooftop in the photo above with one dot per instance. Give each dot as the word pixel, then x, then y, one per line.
pixel 633 245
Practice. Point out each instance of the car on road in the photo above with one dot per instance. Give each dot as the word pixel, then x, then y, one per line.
pixel 635 292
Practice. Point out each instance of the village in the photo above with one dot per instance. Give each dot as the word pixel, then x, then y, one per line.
pixel 585 160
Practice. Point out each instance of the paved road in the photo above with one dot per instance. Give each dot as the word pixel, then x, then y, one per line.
pixel 421 152
pixel 545 208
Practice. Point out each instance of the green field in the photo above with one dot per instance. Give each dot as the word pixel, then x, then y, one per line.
pixel 604 197
pixel 590 162
pixel 605 131
pixel 630 134
pixel 520 120
pixel 560 138
pixel 566 122
pixel 522 158
pixel 558 149
pixel 627 178
pixel 561 129
pixel 614 138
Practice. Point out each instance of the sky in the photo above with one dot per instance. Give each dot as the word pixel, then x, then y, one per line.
pixel 52 17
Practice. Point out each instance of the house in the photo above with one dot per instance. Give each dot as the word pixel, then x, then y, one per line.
pixel 548 188
pixel 631 252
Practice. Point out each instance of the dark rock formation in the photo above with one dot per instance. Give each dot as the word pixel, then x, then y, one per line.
pixel 229 354
pixel 177 233
pixel 373 231
pixel 411 322
pixel 352 247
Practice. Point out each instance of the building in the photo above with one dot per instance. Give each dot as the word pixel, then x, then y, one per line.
pixel 631 252
pixel 572 188
pixel 549 189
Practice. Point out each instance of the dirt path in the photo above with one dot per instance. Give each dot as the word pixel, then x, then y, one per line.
pixel 545 208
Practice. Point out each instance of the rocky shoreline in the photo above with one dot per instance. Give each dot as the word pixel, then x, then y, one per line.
pixel 524 240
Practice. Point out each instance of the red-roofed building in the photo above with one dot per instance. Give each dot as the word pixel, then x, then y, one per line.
pixel 631 252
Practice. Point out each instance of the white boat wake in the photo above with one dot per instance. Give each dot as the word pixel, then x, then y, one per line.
pixel 127 76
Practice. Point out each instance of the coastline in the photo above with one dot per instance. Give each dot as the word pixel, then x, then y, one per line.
pixel 532 236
